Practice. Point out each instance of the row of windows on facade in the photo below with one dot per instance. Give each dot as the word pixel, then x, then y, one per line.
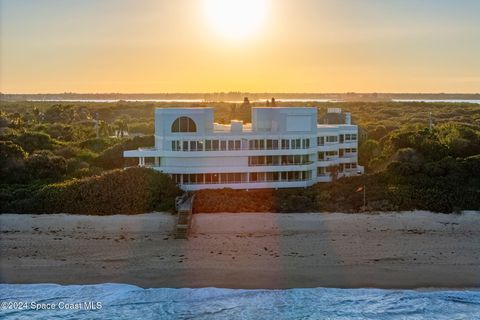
pixel 278 160
pixel 327 155
pixel 323 171
pixel 240 177
pixel 349 137
pixel 299 159
pixel 224 145
pixel 255 144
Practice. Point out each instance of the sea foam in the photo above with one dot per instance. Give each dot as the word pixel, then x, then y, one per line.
pixel 119 301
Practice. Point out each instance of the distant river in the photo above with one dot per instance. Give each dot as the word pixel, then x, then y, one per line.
pixel 440 100
pixel 118 301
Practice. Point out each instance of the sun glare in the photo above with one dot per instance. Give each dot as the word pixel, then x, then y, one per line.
pixel 235 19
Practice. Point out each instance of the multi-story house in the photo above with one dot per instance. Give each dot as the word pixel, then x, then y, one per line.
pixel 281 148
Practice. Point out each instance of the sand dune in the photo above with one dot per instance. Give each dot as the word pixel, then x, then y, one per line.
pixel 388 250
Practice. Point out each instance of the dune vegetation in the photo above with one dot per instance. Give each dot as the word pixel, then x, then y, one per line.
pixel 64 157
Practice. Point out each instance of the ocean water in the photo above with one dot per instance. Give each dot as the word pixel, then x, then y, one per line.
pixel 119 301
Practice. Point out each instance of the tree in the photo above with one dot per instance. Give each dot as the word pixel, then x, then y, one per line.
pixel 121 127
pixel 369 150
pixel 104 129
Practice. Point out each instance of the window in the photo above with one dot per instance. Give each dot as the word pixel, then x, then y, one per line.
pixel 305 175
pixel 223 177
pixel 296 143
pixel 208 145
pixel 272 144
pixel 285 144
pixel 176 145
pixel 320 141
pixel 269 176
pixel 321 171
pixel 193 145
pixel 238 177
pixel 276 160
pixel 215 145
pixel 275 144
pixel 177 178
pixel 185 146
pixel 223 145
pixel 208 178
pixel 350 165
pixel 261 144
pixel 269 160
pixel 231 145
pixel 321 156
pixel 351 137
pixel 184 124
pixel 332 139
pixel 237 145
pixel 261 176
pixel 305 143
pixel 276 176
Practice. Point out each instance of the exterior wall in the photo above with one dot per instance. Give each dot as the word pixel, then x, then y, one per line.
pixel 247 157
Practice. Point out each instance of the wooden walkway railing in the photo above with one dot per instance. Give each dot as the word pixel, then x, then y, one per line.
pixel 184 206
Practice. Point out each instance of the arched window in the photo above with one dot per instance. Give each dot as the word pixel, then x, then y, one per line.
pixel 184 124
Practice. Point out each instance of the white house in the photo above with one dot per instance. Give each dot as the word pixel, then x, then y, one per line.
pixel 281 148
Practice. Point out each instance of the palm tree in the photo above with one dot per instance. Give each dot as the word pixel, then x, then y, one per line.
pixel 121 127
pixel 104 129
pixel 16 119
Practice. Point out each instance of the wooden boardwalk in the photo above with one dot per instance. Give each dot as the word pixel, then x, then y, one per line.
pixel 184 207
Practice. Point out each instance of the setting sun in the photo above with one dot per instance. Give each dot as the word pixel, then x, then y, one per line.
pixel 235 19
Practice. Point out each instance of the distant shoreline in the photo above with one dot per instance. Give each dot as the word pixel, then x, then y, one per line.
pixel 257 250
pixel 236 97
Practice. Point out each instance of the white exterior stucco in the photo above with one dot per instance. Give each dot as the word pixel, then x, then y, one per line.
pixel 282 148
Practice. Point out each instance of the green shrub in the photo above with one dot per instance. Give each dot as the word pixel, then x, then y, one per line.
pixel 97 144
pixel 112 157
pixel 130 191
pixel 31 141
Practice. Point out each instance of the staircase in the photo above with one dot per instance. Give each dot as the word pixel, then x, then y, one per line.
pixel 184 206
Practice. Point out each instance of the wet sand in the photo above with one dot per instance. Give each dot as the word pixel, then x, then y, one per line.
pixel 387 250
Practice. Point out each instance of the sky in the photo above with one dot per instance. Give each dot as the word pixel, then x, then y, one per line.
pixel 155 46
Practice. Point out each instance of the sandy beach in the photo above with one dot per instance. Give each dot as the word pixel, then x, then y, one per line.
pixel 387 250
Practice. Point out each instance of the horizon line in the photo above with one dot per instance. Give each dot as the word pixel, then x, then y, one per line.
pixel 234 92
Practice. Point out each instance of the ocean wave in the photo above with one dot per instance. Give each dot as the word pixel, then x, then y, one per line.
pixel 120 301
